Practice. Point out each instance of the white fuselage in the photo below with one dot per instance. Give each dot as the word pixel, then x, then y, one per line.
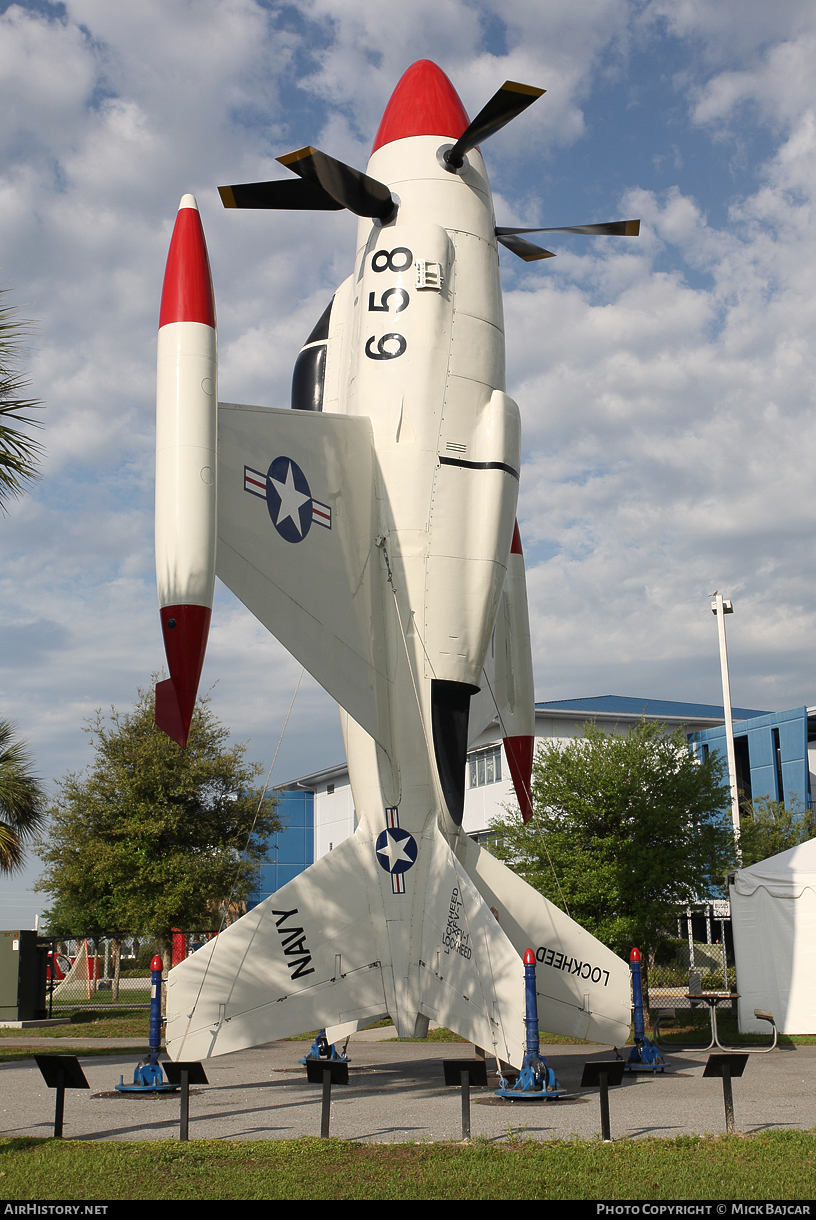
pixel 418 348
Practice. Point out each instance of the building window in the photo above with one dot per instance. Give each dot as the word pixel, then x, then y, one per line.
pixel 485 767
pixel 485 838
pixel 780 784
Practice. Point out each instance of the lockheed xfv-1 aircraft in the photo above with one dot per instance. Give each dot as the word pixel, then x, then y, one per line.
pixel 372 529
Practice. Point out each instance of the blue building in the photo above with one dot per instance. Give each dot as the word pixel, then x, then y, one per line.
pixel 317 811
pixel 292 849
pixel 771 753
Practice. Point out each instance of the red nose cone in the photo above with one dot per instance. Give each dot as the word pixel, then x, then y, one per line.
pixel 529 957
pixel 634 956
pixel 187 293
pixel 424 103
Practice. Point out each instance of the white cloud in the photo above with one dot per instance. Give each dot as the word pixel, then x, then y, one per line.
pixel 731 29
pixel 666 382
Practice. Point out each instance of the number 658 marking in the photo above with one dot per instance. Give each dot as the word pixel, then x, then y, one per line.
pixel 384 306
pixel 382 353
pixel 386 260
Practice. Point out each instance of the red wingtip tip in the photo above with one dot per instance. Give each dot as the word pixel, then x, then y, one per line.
pixel 424 103
pixel 187 292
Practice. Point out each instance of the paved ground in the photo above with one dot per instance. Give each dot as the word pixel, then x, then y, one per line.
pixel 396 1093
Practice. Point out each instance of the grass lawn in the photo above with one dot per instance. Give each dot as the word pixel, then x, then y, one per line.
pixel 135 1024
pixel 117 1023
pixel 689 1028
pixel 774 1165
pixel 692 1027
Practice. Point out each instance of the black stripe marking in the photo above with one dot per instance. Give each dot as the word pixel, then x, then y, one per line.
pixel 449 461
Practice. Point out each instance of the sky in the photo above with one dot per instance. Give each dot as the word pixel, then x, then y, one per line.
pixel 666 383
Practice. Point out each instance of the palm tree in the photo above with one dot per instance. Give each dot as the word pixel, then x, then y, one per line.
pixel 22 800
pixel 19 453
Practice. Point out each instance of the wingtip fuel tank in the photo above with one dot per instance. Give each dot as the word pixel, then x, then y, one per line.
pixel 373 530
pixel 186 467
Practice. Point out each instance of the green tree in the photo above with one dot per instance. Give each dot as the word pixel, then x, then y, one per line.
pixel 153 837
pixel 768 827
pixel 22 800
pixel 627 828
pixel 19 452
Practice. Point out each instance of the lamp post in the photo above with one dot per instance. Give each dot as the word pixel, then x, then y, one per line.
pixel 719 608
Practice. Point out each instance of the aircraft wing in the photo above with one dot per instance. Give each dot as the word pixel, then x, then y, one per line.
pixel 298 516
pixel 302 959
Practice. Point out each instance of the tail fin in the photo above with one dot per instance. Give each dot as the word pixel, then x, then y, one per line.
pixel 185 630
pixel 583 987
pixel 321 952
pixel 168 713
pixel 507 680
pixel 302 959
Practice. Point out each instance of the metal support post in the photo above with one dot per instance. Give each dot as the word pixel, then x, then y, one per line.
pixel 728 1067
pixel 325 1112
pixel 465 1082
pixel 184 1124
pixel 720 608
pixel 728 1098
pixel 644 1056
pixel 59 1109
pixel 536 1081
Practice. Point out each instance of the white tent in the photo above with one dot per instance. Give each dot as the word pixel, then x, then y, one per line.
pixel 773 916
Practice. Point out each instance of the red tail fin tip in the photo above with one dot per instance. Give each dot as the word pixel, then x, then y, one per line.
pixel 519 751
pixel 168 714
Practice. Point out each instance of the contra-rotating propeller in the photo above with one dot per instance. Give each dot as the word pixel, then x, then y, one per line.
pixel 505 104
pixel 326 184
pixel 531 253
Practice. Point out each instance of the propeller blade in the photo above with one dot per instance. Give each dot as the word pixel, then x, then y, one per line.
pixel 350 188
pixel 504 105
pixel 614 228
pixel 296 194
pixel 524 249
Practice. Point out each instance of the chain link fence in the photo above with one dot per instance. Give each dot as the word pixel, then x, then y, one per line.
pixel 98 972
pixel 104 971
pixel 700 958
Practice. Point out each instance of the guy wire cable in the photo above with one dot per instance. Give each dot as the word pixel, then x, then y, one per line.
pixel 529 793
pixel 246 848
pixel 263 795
